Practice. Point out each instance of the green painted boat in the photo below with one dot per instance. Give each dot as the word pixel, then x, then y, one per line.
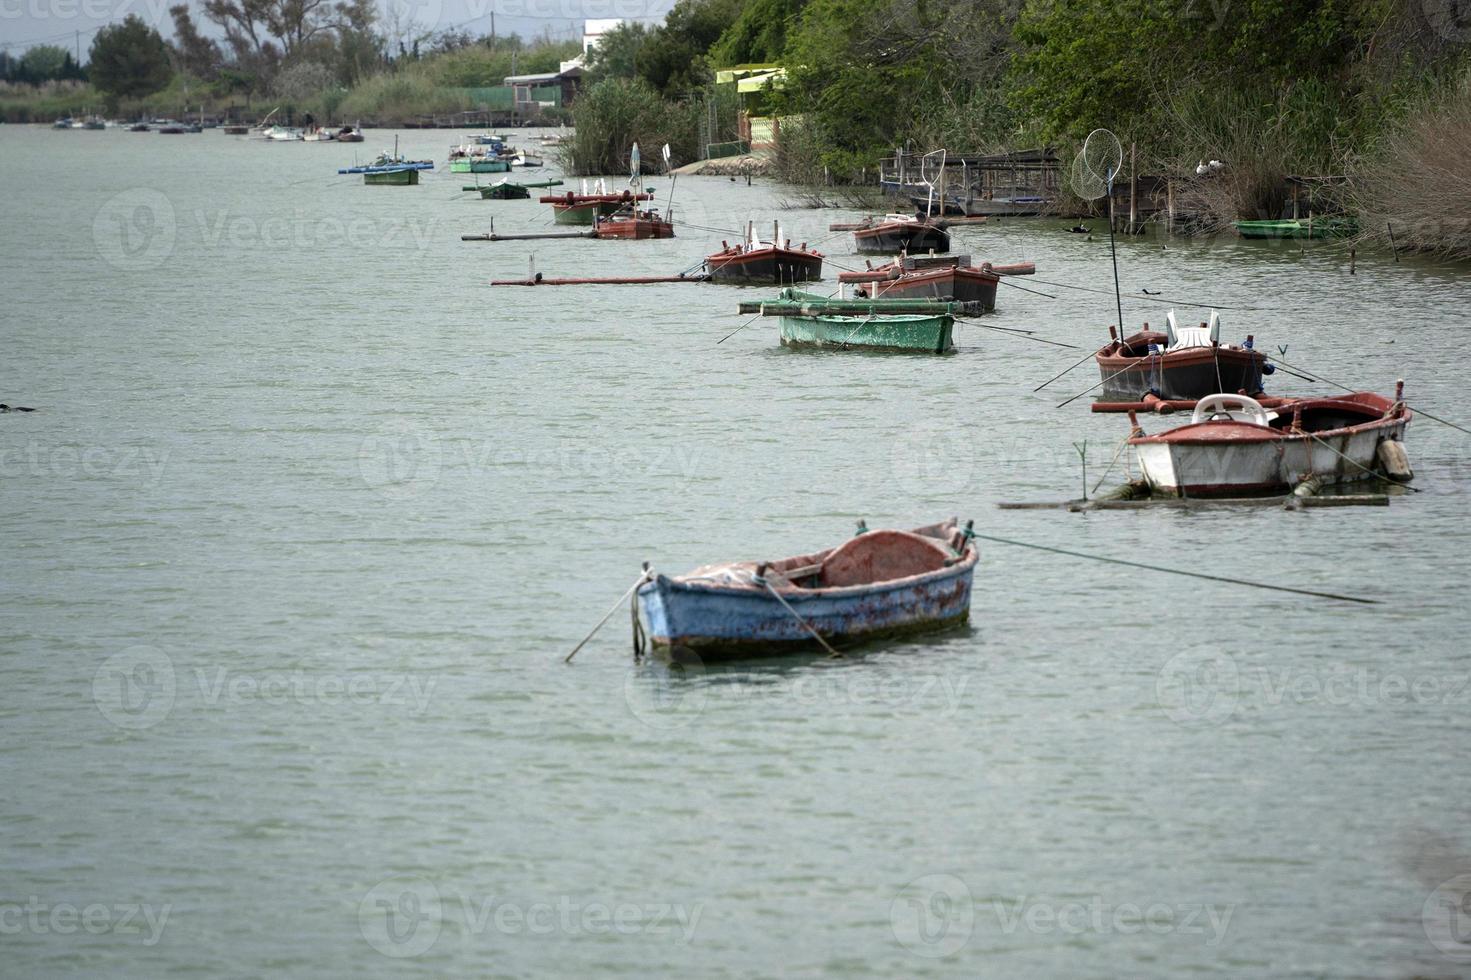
pixel 1331 227
pixel 908 325
pixel 907 332
pixel 467 166
pixel 504 192
pixel 393 178
pixel 583 214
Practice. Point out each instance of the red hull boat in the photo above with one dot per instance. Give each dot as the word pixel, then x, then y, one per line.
pixel 898 233
pixel 1235 446
pixel 633 225
pixel 1178 365
pixel 935 277
pixel 757 263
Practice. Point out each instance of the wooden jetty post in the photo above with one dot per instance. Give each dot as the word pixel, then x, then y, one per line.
pixel 1133 189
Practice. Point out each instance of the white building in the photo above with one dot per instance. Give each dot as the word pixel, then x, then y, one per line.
pixel 593 31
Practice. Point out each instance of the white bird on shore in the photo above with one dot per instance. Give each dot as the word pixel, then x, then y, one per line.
pixel 1201 169
pixel 1216 166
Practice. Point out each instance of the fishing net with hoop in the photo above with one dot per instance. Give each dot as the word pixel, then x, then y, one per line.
pixel 931 170
pixel 1096 165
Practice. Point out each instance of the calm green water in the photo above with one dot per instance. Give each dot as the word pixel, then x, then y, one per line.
pixel 308 514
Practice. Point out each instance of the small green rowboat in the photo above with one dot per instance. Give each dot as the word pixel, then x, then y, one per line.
pixel 907 325
pixel 583 214
pixel 908 332
pixel 406 177
pixel 464 165
pixel 504 190
pixel 1332 227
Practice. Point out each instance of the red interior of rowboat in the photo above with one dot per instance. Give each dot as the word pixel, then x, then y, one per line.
pixel 881 556
pixel 1135 346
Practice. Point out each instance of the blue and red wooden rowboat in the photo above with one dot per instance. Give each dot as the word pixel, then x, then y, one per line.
pixel 879 583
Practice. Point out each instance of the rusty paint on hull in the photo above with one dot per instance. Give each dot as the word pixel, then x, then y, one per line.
pixel 717 649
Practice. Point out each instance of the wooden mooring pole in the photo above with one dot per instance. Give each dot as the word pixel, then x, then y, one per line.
pixel 1133 188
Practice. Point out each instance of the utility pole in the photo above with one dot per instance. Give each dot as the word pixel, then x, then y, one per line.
pixel 79 48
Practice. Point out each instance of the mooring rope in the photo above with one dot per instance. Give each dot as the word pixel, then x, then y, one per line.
pixel 1178 571
pixel 1060 374
pixel 761 580
pixel 1352 462
pixel 1318 377
pixel 1117 453
pixel 1151 299
pixel 739 329
pixel 1092 386
pixel 643 577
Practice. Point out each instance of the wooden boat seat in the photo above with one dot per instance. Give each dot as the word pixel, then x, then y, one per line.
pixel 880 556
pixel 913 262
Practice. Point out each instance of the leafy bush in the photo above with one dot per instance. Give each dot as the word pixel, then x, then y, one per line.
pixel 614 114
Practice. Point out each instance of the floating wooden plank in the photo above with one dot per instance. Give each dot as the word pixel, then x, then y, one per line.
pixel 861 308
pixel 540 280
pixel 1288 502
pixel 521 238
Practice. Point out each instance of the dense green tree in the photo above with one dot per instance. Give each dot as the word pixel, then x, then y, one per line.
pixel 129 60
pixel 616 53
pixel 1119 63
pixel 197 55
pixel 673 58
pixel 43 63
pixel 868 74
pixel 759 34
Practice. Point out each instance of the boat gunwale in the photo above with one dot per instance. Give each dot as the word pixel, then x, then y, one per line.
pixel 1183 436
pixel 791 591
pixel 1178 357
pixel 763 253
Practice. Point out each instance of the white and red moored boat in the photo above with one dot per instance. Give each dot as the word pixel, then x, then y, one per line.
pixel 753 262
pixel 935 277
pixel 1233 446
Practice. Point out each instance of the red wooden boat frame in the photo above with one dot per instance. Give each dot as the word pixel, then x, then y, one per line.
pixel 633 226
pixel 935 276
pixel 768 264
pixel 1126 369
pixel 902 234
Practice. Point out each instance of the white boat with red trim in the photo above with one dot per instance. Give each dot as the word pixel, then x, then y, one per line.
pixel 1233 446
